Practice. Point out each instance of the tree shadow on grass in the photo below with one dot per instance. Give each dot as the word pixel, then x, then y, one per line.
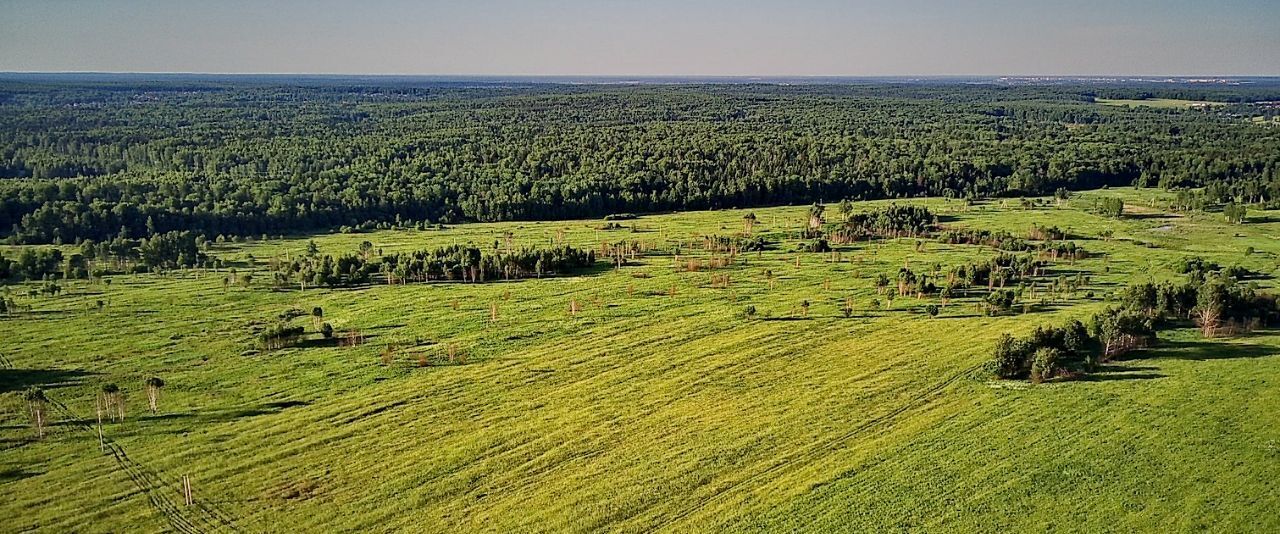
pixel 338 340
pixel 1112 377
pixel 220 416
pixel 20 379
pixel 1151 216
pixel 1202 351
pixel 1111 373
pixel 15 474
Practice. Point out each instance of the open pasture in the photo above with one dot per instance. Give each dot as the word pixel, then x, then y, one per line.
pixel 645 398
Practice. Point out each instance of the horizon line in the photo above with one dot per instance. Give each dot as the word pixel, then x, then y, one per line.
pixel 588 75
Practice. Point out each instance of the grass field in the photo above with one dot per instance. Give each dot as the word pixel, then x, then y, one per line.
pixel 651 409
pixel 1163 103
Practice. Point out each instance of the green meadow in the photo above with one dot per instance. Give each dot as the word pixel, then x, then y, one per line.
pixel 659 405
pixel 1163 103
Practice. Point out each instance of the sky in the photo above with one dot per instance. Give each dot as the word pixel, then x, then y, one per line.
pixel 646 37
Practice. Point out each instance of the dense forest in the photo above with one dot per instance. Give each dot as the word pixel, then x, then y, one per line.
pixel 128 159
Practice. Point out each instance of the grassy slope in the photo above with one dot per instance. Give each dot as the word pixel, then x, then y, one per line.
pixel 646 410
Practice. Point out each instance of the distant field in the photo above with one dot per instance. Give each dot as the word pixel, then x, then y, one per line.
pixel 1165 103
pixel 657 407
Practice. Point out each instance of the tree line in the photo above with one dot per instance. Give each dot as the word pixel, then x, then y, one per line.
pixel 167 250
pixel 462 263
pixel 84 161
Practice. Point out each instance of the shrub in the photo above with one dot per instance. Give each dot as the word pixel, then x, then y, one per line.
pixel 999 301
pixel 1009 357
pixel 280 336
pixel 816 245
pixel 1044 364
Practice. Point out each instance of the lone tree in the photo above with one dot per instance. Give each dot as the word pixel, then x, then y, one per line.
pixel 112 401
pixel 154 385
pixel 748 223
pixel 37 404
pixel 1109 207
pixel 1210 301
pixel 1234 213
pixel 317 317
pixel 814 227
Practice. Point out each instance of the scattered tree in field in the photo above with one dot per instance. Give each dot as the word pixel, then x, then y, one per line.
pixel 847 308
pixel 1209 305
pixel 317 317
pixel 111 398
pixel 573 305
pixel 998 302
pixel 814 225
pixel 748 224
pixel 882 283
pixel 388 355
pixel 804 308
pixel 749 311
pixel 353 338
pixel 1109 207
pixel 931 309
pixel 37 405
pixel 1234 213
pixel 154 385
pixel 326 330
pixel 845 209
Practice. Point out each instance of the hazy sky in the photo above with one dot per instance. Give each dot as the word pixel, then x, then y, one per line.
pixel 711 37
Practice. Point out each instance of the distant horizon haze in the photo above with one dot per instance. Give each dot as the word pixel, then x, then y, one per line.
pixel 657 38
